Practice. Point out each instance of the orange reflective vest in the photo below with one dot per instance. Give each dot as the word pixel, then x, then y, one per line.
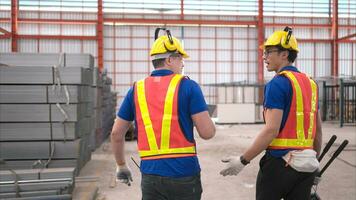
pixel 158 129
pixel 300 127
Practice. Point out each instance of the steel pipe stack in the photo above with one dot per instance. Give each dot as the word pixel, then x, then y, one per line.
pixel 51 110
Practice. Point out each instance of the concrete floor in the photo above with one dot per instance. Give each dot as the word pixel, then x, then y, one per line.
pixel 338 182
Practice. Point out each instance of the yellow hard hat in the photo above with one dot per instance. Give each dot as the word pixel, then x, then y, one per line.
pixel 166 45
pixel 283 38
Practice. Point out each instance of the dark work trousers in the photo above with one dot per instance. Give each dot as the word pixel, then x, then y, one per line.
pixel 167 188
pixel 276 181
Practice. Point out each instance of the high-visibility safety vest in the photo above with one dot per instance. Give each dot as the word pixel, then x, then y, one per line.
pixel 156 106
pixel 300 127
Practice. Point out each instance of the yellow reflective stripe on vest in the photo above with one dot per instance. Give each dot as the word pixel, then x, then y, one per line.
pixel 166 121
pixel 167 114
pixel 292 142
pixel 141 94
pixel 299 104
pixel 167 151
pixel 313 108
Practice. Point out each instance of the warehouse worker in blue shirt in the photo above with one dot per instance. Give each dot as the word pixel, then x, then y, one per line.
pixel 292 132
pixel 165 107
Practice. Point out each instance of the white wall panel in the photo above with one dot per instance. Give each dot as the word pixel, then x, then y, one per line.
pixel 50 29
pixel 306 66
pixel 223 55
pixel 207 67
pixel 208 32
pixel 123 67
pixel 6 26
pixel 223 44
pixel 191 67
pixel 122 31
pixel 90 46
pixel 137 77
pixel 5 14
pixel 224 67
pixel 240 44
pixel 140 55
pixel 5 45
pixel 193 55
pixel 29 14
pixel 207 44
pixel 240 32
pixel 89 30
pixel 123 55
pixel 28 45
pixel 108 43
pixel 108 31
pixel 71 46
pixel 28 29
pixel 223 78
pixel 140 31
pixel 191 43
pixel 141 43
pixel 207 56
pixel 323 68
pixel 49 46
pixel 302 33
pixel 139 67
pixel 50 15
pixel 240 56
pixel 208 79
pixel 319 33
pixel 224 32
pixel 123 43
pixel 109 55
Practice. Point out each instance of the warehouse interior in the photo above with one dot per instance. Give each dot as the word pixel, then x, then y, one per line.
pixel 66 66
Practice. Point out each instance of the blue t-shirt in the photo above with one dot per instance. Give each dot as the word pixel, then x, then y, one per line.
pixel 190 101
pixel 278 95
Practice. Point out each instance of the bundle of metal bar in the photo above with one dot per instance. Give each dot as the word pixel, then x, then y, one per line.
pixel 36 182
pixel 51 110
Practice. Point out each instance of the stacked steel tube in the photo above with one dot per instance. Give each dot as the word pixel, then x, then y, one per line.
pixel 51 110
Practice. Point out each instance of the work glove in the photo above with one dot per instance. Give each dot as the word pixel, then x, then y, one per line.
pixel 123 174
pixel 234 166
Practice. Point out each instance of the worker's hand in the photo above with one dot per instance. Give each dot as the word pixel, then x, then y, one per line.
pixel 234 166
pixel 317 180
pixel 123 174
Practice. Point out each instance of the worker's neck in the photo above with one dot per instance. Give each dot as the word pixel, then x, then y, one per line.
pixel 284 64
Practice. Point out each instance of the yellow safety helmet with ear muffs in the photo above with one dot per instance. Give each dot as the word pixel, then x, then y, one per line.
pixel 166 45
pixel 283 38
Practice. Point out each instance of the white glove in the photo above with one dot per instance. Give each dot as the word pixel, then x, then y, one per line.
pixel 234 166
pixel 123 174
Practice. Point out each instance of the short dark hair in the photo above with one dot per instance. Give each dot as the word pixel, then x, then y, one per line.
pixel 158 62
pixel 292 54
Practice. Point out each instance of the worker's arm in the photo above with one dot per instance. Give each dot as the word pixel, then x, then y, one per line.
pixel 118 132
pixel 318 135
pixel 269 132
pixel 236 164
pixel 204 125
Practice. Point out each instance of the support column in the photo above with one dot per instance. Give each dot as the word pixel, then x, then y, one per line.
pixel 14 24
pixel 335 42
pixel 99 35
pixel 260 38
